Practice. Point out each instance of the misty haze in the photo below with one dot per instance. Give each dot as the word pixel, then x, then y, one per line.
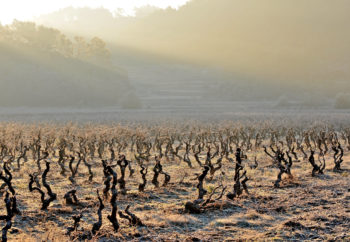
pixel 180 120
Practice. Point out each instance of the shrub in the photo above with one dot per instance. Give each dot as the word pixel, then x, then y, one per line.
pixel 282 101
pixel 342 101
pixel 131 101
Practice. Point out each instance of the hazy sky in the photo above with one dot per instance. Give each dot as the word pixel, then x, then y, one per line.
pixel 26 10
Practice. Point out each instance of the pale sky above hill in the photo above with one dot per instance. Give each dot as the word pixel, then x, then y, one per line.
pixel 27 10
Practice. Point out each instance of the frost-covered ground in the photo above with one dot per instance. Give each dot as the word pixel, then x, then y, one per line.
pixel 211 112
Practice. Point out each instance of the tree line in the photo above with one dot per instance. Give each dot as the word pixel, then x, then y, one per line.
pixel 41 38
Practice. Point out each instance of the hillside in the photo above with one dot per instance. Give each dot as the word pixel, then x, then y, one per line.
pixel 288 44
pixel 32 76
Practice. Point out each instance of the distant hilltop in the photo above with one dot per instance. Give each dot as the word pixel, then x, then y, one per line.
pixel 40 66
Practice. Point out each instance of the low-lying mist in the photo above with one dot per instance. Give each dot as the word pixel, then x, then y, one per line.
pixel 286 43
pixel 205 54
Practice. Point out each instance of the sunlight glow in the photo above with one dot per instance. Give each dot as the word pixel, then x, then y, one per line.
pixel 27 10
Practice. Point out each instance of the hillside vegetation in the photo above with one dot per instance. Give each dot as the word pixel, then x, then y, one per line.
pixel 42 67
